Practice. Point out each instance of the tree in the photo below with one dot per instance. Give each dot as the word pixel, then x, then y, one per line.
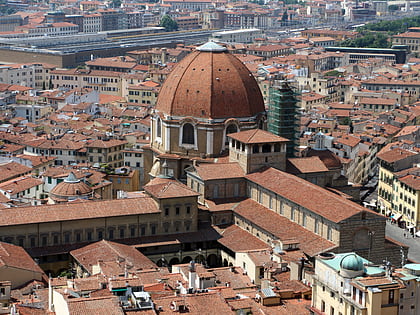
pixel 168 23
pixel 285 16
pixel 393 7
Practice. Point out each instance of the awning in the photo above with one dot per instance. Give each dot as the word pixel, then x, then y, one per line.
pixel 119 289
pixel 396 216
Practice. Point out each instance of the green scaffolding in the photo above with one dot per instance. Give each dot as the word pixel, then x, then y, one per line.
pixel 283 115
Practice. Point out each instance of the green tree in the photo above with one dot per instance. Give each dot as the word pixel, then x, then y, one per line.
pixel 284 16
pixel 168 23
pixel 393 7
pixel 116 4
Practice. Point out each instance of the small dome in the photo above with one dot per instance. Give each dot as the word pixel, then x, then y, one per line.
pixel 71 187
pixel 352 262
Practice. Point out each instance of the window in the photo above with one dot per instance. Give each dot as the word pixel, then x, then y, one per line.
pixel 216 191
pixel 143 230
pixel 391 297
pixel 158 128
pixel 122 233
pixel 188 134
pixel 329 233
pixel 177 210
pixel 322 306
pixel 188 209
pixel 89 235
pixel 230 129
pixel 111 234
pixel 166 211
pixel 153 228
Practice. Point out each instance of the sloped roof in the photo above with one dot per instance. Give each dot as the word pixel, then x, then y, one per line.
pixel 256 136
pixel 314 198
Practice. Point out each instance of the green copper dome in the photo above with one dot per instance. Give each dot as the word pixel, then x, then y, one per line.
pixel 352 262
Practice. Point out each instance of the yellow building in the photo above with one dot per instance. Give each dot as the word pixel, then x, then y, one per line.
pixel 107 151
pixel 125 179
pixel 346 284
pixel 145 93
pixel 407 196
pixel 391 161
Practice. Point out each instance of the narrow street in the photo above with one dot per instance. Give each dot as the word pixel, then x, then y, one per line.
pixel 393 231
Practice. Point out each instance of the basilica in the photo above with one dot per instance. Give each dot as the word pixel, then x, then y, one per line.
pixel 215 177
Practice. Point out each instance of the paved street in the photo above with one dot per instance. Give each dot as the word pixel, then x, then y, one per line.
pixel 393 231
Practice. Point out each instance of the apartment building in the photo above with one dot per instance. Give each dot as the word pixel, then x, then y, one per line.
pixel 106 151
pixel 390 162
pixel 105 82
pixel 348 284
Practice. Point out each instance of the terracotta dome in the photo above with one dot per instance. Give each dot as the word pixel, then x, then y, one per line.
pixel 210 83
pixel 70 187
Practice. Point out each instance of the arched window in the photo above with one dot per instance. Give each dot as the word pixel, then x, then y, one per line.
pixel 158 128
pixel 188 134
pixel 230 129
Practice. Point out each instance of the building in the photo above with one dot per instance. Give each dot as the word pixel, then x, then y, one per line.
pixel 410 39
pixel 230 101
pixel 70 189
pixel 49 29
pixel 282 115
pixel 391 162
pixel 106 151
pixel 124 179
pixel 356 54
pixel 349 284
pixel 103 256
pixel 167 208
pixel 237 36
pixel 17 266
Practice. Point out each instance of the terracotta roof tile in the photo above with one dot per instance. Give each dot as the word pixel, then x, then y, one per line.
pixel 95 306
pixel 209 84
pixel 312 197
pixel 77 211
pixel 162 189
pixel 304 165
pixel 12 170
pixel 283 228
pixel 107 251
pixel 237 239
pixel 16 257
pixel 213 171
pixel 395 154
pixel 256 136
pixel 20 184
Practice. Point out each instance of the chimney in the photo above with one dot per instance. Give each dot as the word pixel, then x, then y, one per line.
pixel 192 276
pixel 301 266
pixel 50 296
pixel 164 56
